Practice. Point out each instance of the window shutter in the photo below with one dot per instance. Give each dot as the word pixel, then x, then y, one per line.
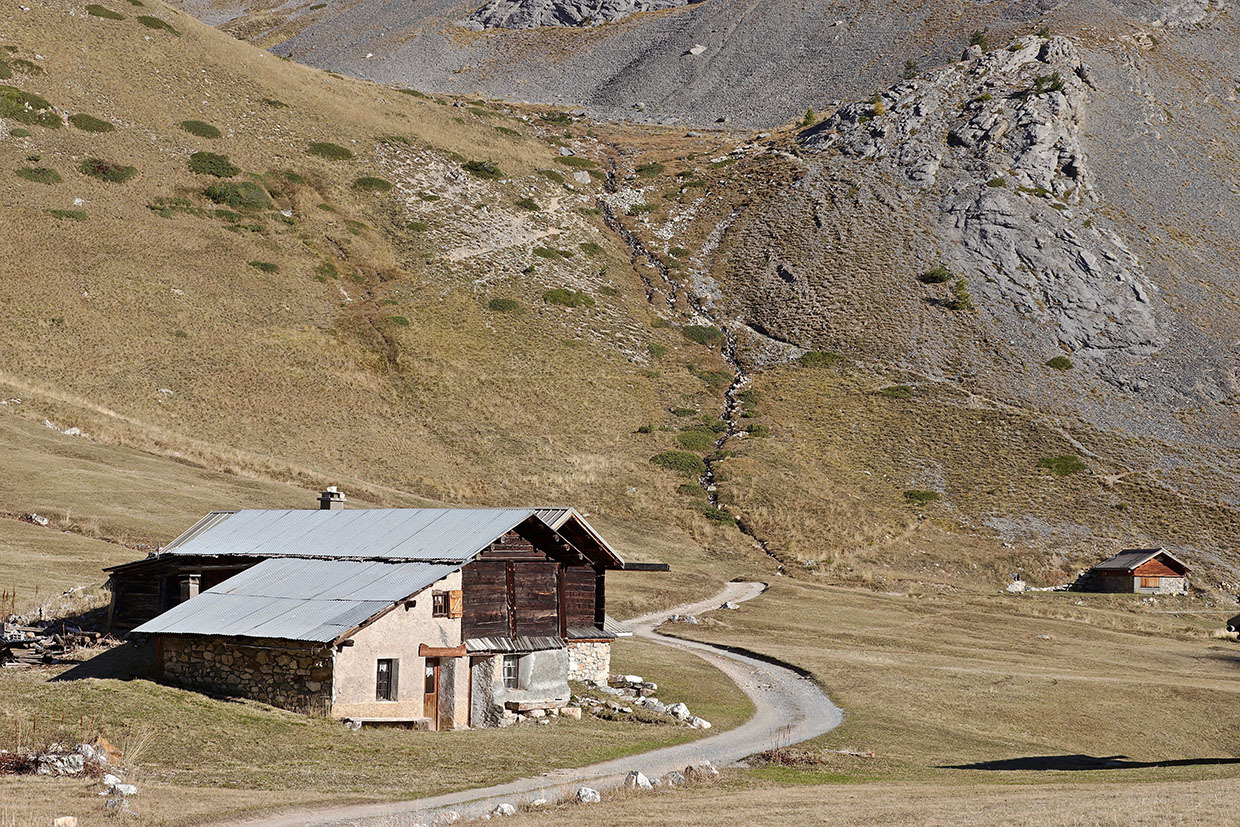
pixel 456 603
pixel 395 676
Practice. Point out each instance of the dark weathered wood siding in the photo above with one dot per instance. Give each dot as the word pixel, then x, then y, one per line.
pixel 1156 568
pixel 484 584
pixel 579 595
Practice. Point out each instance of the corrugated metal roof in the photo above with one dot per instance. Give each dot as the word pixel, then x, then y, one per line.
pixel 297 599
pixel 1129 559
pixel 554 517
pixel 513 644
pixel 199 527
pixel 447 534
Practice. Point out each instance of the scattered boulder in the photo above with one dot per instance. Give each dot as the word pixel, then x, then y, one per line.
pixel 674 779
pixel 539 802
pixel 703 771
pixel 730 605
pixel 636 780
pixel 59 763
pixel 565 152
pixel 504 809
pixel 698 723
pixel 586 795
pixel 65 821
pixel 573 712
pixel 697 49
pixel 679 711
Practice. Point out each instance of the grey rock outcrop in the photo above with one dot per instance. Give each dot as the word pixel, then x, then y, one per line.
pixel 532 14
pixel 996 141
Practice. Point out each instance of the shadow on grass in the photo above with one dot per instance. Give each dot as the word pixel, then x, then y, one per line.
pixel 1085 762
pixel 130 661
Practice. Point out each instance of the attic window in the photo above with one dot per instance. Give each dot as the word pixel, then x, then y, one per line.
pixel 439 604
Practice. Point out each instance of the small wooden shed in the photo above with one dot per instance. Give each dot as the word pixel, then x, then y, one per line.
pixel 1141 571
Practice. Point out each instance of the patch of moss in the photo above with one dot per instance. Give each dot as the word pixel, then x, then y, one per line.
pixel 39 175
pixel 401 321
pixel 265 266
pixel 718 515
pixel 936 275
pixel 89 123
pixel 895 392
pixel 413 93
pixel 330 151
pixel 107 171
pixel 650 170
pixel 527 203
pixel 68 215
pixel 19 132
pixel 1059 363
pixel 696 438
pixel 690 489
pixel 656 350
pixel 576 162
pixel 211 163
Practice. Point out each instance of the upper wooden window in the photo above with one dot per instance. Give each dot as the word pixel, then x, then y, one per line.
pixel 439 604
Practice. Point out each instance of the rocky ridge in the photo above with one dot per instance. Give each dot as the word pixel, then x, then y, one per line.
pixel 994 141
pixel 532 14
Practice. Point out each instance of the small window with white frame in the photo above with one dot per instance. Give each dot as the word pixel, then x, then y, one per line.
pixel 512 671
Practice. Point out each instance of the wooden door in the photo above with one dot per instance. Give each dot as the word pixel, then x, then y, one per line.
pixel 430 692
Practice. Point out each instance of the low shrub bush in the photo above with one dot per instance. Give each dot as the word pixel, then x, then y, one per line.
pixel 96 10
pixel 107 171
pixel 68 215
pixel 918 496
pixel 503 305
pixel 243 195
pixel 28 108
pixel 371 183
pixel 89 123
pixel 702 334
pixel 1062 465
pixel 157 24
pixel 39 175
pixel 211 163
pixel 201 129
pixel 488 170
pixel 567 297
pixel 1059 363
pixel 937 275
pixel 265 266
pixel 330 151
pixel 895 392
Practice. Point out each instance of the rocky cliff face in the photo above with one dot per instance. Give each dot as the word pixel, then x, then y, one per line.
pixel 532 14
pixel 994 143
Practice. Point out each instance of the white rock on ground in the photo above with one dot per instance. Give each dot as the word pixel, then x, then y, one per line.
pixel 679 711
pixel 637 780
pixel 586 795
pixel 698 723
pixel 504 809
pixel 674 779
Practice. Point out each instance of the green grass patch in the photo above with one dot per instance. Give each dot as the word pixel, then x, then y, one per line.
pixel 211 163
pixel 552 175
pixel 400 321
pixel 758 430
pixel 200 129
pixel 798 777
pixel 89 123
pixel 561 118
pixel 713 378
pixel 691 489
pixel 371 183
pixel 650 170
pixel 820 359
pixel 919 496
pixel 157 24
pixel 656 350
pixel 1063 465
pixel 895 392
pixel 552 253
pixel 96 10
pixel 107 170
pixel 641 209
pixel 576 162
pixel 487 170
pixel 265 266
pixel 504 305
pixel 242 195
pixel 683 411
pixel 702 334
pixel 718 515
pixel 511 133
pixel 681 462
pixel 39 175
pixel 417 226
pixel 696 438
pixel 68 215
pixel 19 132
pixel 1059 363
pixel 960 298
pixel 330 151
pixel 28 108
pixel 527 203
pixel 936 275
pixel 590 248
pixel 567 297
pixel 997 183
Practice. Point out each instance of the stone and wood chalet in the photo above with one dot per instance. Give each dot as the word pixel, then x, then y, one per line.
pixel 1139 571
pixel 430 618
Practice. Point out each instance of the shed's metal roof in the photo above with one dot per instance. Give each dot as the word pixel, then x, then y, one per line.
pixel 298 599
pixel 440 534
pixel 1131 558
pixel 521 643
pixel 615 628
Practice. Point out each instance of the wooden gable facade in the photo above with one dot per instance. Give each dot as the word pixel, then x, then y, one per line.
pixel 532 583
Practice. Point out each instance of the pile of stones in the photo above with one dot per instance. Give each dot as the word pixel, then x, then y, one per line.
pixel 633 691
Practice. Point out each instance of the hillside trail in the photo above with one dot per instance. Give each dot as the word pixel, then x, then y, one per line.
pixel 788 709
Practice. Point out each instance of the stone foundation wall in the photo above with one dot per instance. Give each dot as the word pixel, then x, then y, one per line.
pixel 280 673
pixel 589 661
